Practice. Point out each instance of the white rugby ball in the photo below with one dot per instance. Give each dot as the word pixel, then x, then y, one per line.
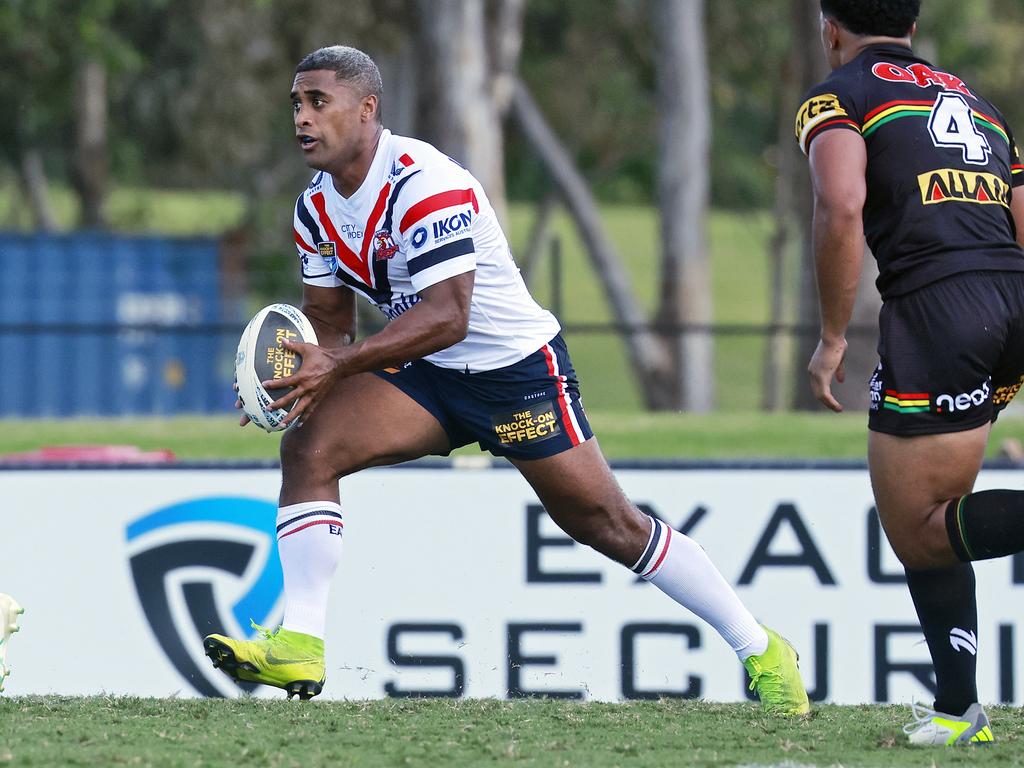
pixel 262 356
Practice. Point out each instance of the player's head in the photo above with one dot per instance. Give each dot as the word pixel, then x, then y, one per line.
pixel 845 22
pixel 336 98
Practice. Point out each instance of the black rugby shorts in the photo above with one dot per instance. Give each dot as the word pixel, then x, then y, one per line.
pixel 951 354
pixel 527 410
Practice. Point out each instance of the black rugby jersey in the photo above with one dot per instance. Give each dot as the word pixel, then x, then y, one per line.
pixel 941 166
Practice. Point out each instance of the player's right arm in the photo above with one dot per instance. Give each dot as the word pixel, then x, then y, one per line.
pixel 838 164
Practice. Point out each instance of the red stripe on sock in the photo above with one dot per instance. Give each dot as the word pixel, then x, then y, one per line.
pixel 307 525
pixel 668 541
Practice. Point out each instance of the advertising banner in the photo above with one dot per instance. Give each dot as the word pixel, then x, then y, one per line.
pixel 453 582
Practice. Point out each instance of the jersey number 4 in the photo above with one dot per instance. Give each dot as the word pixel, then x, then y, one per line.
pixel 952 125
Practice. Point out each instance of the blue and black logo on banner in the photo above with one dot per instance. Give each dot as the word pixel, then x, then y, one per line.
pixel 202 566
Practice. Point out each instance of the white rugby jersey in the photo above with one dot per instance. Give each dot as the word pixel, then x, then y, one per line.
pixel 417 219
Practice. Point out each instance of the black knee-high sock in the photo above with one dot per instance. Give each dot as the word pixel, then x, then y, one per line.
pixel 986 524
pixel 946 607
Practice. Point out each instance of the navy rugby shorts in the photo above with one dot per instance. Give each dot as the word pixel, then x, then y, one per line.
pixel 527 410
pixel 951 354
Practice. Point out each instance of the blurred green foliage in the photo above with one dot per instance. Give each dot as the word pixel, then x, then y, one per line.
pixel 198 89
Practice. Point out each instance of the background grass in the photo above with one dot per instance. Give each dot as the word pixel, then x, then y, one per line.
pixel 622 436
pixel 47 731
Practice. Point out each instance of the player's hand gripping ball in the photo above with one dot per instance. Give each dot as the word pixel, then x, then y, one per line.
pixel 262 356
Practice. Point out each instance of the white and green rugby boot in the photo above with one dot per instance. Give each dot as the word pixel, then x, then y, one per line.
pixel 284 659
pixel 775 676
pixel 931 728
pixel 9 613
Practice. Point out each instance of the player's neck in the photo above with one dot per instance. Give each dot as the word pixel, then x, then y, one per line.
pixel 854 50
pixel 350 178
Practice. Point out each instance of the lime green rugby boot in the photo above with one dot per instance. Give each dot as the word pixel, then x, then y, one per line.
pixel 775 676
pixel 284 659
pixel 931 728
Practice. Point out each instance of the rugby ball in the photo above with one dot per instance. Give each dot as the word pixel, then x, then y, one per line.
pixel 262 356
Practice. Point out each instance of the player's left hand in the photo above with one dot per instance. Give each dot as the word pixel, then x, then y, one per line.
pixel 314 377
pixel 826 363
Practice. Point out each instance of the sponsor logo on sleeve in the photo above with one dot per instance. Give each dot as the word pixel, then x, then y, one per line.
pixel 815 110
pixel 329 253
pixel 453 226
pixel 419 237
pixel 535 424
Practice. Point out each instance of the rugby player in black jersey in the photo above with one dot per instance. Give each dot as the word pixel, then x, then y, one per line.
pixel 915 160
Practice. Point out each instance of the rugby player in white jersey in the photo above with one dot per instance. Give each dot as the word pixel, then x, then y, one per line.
pixel 466 353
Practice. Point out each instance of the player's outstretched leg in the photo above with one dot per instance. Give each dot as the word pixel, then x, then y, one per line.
pixel 679 567
pixel 931 728
pixel 9 613
pixel 292 661
pixel 580 493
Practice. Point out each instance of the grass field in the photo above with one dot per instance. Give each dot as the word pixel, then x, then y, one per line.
pixel 678 436
pixel 48 731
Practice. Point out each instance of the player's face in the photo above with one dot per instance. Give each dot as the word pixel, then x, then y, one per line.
pixel 330 120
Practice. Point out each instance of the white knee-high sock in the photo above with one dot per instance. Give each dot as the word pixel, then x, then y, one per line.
pixel 309 544
pixel 679 567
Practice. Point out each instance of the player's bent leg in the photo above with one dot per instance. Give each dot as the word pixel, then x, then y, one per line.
pixel 914 480
pixel 579 491
pixel 364 421
pixel 583 497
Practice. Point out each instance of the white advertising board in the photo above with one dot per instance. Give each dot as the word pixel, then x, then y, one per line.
pixel 454 582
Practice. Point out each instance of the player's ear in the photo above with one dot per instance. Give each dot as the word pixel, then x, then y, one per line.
pixel 369 111
pixel 829 34
pixel 913 30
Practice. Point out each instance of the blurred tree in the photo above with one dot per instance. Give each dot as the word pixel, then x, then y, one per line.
pixel 464 93
pixel 53 74
pixel 683 180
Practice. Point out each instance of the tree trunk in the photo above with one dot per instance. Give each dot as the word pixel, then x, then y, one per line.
pixel 683 183
pixel 776 366
pixel 812 70
pixel 33 177
pixel 457 108
pixel 91 164
pixel 648 358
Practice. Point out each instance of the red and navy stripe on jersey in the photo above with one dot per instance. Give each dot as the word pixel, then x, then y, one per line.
pixel 355 270
pixel 942 165
pixel 418 218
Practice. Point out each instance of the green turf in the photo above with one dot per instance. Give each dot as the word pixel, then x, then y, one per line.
pixel 622 435
pixel 738 245
pixel 104 731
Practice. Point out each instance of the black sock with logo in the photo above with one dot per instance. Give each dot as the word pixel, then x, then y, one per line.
pixel 986 524
pixel 948 612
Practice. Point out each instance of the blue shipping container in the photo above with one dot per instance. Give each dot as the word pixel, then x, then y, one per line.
pixel 98 324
